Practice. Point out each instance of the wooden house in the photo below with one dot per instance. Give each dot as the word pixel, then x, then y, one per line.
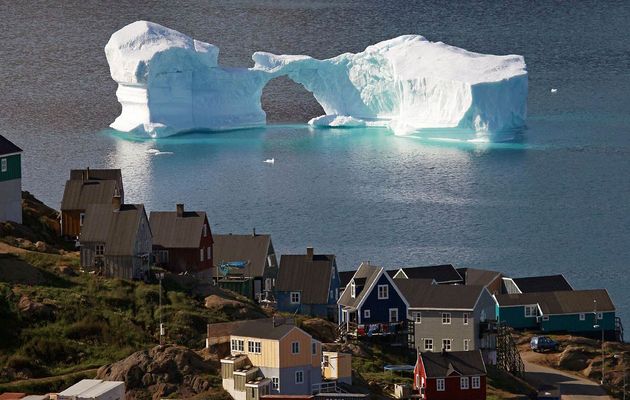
pixel 85 188
pixel 308 284
pixel 269 356
pixel 442 274
pixel 258 277
pixel 10 181
pixel 371 302
pixel 491 280
pixel 459 375
pixel 337 366
pixel 182 241
pixel 116 240
pixel 580 312
pixel 546 283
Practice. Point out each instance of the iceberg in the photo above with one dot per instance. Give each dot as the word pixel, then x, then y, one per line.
pixel 170 83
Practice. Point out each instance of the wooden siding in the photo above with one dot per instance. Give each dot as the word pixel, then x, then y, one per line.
pixel 379 308
pixel 316 359
pixel 339 366
pixel 269 354
pixel 14 168
pixel 515 317
pixel 572 323
pixel 71 223
pixel 288 359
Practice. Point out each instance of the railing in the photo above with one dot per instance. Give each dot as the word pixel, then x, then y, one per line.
pixel 326 387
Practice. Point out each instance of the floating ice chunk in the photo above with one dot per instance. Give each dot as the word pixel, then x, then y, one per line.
pixel 336 121
pixel 553 90
pixel 270 161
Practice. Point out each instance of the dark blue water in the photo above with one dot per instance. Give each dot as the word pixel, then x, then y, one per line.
pixel 554 200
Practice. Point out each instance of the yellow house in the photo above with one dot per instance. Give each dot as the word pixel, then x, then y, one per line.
pixel 271 357
pixel 337 367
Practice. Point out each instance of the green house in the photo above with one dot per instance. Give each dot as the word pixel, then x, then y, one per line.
pixel 582 312
pixel 10 181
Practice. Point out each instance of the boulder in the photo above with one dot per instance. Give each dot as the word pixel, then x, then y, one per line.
pixel 573 358
pixel 235 309
pixel 320 329
pixel 41 247
pixel 34 309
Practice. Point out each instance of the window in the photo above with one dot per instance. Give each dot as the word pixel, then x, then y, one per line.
pixel 314 348
pixel 81 219
pixel 99 249
pixel 275 383
pixel 465 318
pixel 531 311
pixel 253 347
pixel 295 297
pixel 446 318
pixel 463 383
pixel 299 377
pixel 476 382
pixel 209 253
pixel 353 290
pixel 545 318
pixel 238 345
pixel 600 315
pixel 200 254
pixel 466 344
pixel 4 165
pixel 326 360
pixel 393 315
pixel 582 316
pixel 428 344
pixel 440 385
pixel 416 316
pixel 383 292
pixel 205 230
pixel 163 255
pixel 366 314
pixel 446 344
pixel 295 347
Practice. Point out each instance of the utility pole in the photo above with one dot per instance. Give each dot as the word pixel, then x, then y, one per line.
pixel 160 276
pixel 595 326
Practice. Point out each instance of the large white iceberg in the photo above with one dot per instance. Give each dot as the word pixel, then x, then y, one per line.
pixel 170 83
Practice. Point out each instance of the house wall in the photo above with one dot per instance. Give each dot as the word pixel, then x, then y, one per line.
pixel 269 356
pixel 283 300
pixel 11 200
pixel 572 323
pixel 452 390
pixel 288 359
pixel 379 309
pixel 312 376
pixel 71 222
pixel 515 317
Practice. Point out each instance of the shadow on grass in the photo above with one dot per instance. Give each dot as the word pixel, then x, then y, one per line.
pixel 17 271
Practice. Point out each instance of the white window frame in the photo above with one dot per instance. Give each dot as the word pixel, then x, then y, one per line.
pixel 367 313
pixel 466 344
pixel 275 383
pixel 531 310
pixel 428 344
pixel 464 383
pixel 383 292
pixel 208 253
pixel 545 318
pixel 295 348
pixel 446 318
pixel 416 316
pixel 81 219
pixel 390 314
pixel 475 382
pixel 447 344
pixel 353 290
pixel 296 297
pixel 466 318
pixel 201 254
pixel 254 346
pixel 600 315
pixel 582 317
pixel 4 166
pixel 299 374
pixel 205 230
pixel 237 345
pixel 440 384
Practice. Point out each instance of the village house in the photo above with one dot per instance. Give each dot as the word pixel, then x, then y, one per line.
pixel 491 280
pixel 449 317
pixel 581 312
pixel 459 375
pixel 308 284
pixel 182 241
pixel 271 356
pixel 84 188
pixel 246 264
pixel 116 240
pixel 371 303
pixel 442 274
pixel 546 283
pixel 10 181
pixel 94 389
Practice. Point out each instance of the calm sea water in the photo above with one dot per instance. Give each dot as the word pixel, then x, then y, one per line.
pixel 554 200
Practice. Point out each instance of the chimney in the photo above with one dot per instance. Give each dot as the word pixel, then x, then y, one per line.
pixel 309 253
pixel 180 210
pixel 116 203
pixel 87 174
pixel 254 232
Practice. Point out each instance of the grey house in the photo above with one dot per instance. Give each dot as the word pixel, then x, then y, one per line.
pixel 116 240
pixel 449 317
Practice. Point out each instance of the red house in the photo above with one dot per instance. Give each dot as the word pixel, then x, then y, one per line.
pixel 456 375
pixel 182 241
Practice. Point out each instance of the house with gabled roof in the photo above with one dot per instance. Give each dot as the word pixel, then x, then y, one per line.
pixel 308 284
pixel 491 280
pixel 116 240
pixel 545 283
pixel 371 298
pixel 442 274
pixel 10 181
pixel 245 264
pixel 459 375
pixel 182 241
pixel 582 312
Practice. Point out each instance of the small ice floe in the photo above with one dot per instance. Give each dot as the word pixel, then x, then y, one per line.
pixel 152 151
pixel 157 152
pixel 270 161
pixel 554 90
pixel 163 153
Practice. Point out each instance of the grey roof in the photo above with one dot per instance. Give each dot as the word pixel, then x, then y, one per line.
pixel 344 277
pixel 91 174
pixel 547 283
pixel 252 248
pixel 78 195
pixel 118 230
pixel 423 294
pixel 263 329
pixel 171 231
pixel 441 273
pixel 8 147
pixel 561 302
pixel 441 365
pixel 474 276
pixel 365 274
pixel 311 276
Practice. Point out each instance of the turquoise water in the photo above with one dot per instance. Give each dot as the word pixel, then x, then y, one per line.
pixel 552 199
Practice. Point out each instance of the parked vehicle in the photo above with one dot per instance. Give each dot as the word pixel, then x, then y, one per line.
pixel 542 343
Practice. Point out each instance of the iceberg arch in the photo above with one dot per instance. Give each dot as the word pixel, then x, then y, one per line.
pixel 170 83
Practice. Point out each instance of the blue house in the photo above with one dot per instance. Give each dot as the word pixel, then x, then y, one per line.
pixel 371 298
pixel 582 312
pixel 308 284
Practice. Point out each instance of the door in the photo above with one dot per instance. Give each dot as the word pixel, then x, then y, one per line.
pixel 393 315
